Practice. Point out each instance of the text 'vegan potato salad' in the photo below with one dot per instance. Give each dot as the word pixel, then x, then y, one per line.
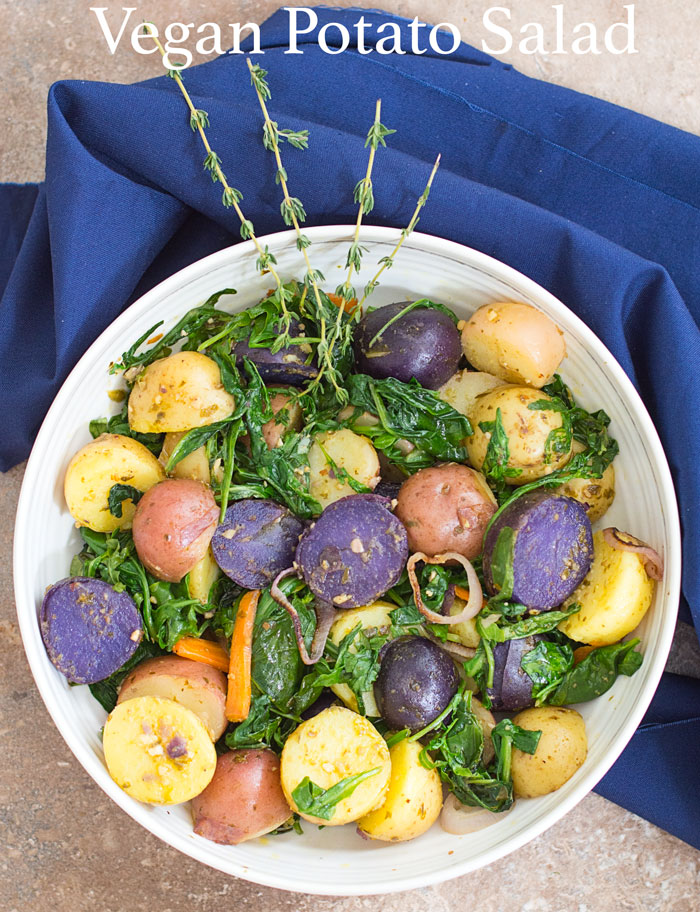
pixel 352 582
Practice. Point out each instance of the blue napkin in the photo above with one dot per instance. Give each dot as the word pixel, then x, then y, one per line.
pixel 599 205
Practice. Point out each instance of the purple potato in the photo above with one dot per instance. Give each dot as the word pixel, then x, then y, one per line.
pixel 327 698
pixel 512 687
pixel 288 365
pixel 354 551
pixel 388 489
pixel 553 548
pixel 255 541
pixel 424 343
pixel 89 629
pixel 415 683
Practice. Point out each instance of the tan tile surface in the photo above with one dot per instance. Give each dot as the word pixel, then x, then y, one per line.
pixel 63 846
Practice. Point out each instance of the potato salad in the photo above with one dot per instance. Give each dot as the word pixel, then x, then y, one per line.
pixel 346 567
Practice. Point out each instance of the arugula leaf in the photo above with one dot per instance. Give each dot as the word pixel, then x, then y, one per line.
pixel 118 493
pixel 596 674
pixel 318 802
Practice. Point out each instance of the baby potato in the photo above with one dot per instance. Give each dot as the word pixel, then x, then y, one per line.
pixel 203 576
pixel 595 493
pixel 513 341
pixel 374 615
pixel 178 393
pixel 413 801
pixel 106 461
pixel 614 596
pixel 561 750
pixel 463 388
pixel 273 431
pixel 195 466
pixel 349 451
pixel 527 431
pixel 331 746
pixel 158 751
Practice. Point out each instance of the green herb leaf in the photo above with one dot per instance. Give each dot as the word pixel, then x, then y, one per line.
pixel 118 493
pixel 596 673
pixel 318 802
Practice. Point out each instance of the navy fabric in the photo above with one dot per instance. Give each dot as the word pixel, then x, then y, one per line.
pixel 596 203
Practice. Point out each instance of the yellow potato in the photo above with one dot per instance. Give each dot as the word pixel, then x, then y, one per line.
pixel 106 461
pixel 527 431
pixel 195 466
pixel 595 493
pixel 561 750
pixel 463 388
pixel 202 577
pixel 465 631
pixel 349 451
pixel 178 393
pixel 158 751
pixel 614 596
pixel 413 802
pixel 513 341
pixel 336 744
pixel 375 615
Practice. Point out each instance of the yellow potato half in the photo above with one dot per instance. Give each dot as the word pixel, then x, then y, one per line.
pixel 178 393
pixel 158 751
pixel 561 750
pixel 463 388
pixel 334 745
pixel 202 577
pixel 195 466
pixel 413 801
pixel 614 596
pixel 108 460
pixel 349 451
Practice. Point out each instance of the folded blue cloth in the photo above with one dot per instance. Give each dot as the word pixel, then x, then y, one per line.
pixel 598 204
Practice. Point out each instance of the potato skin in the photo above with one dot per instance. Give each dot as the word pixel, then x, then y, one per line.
pixel 273 431
pixel 614 596
pixel 463 388
pixel 413 801
pixel 446 508
pixel 513 341
pixel 527 431
pixel 349 451
pixel 595 493
pixel 195 686
pixel 243 800
pixel 108 460
pixel 173 526
pixel 331 746
pixel 560 753
pixel 178 393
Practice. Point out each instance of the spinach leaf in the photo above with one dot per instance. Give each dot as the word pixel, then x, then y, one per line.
pixel 118 493
pixel 527 626
pixel 495 467
pixel 318 802
pixel 119 424
pixel 596 674
pixel 547 665
pixel 264 727
pixel 276 664
pixel 107 691
pixel 502 572
pixel 358 664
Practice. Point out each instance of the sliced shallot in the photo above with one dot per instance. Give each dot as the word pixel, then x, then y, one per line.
pixel 623 541
pixel 455 649
pixel 325 615
pixel 476 596
pixel 458 819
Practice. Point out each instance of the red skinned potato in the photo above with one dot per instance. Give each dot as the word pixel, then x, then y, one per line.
pixel 446 508
pixel 243 800
pixel 195 686
pixel 273 431
pixel 173 525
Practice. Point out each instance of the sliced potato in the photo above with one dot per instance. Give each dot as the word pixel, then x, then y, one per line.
pixel 349 451
pixel 413 801
pixel 374 615
pixel 462 389
pixel 561 750
pixel 158 751
pixel 106 461
pixel 195 466
pixel 334 745
pixel 465 631
pixel 595 493
pixel 614 596
pixel 202 577
pixel 178 393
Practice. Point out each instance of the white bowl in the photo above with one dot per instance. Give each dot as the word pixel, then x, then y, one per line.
pixel 337 861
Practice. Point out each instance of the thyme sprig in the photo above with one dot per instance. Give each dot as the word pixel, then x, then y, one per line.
pixel 231 198
pixel 388 261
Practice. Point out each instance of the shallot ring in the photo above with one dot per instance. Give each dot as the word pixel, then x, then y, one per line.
pixel 476 596
pixel 325 615
pixel 653 562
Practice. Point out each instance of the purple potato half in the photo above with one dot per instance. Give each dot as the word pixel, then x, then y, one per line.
pixel 89 629
pixel 424 343
pixel 287 366
pixel 552 552
pixel 512 687
pixel 415 683
pixel 256 540
pixel 354 551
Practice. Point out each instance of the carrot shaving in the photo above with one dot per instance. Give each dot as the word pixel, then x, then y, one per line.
pixel 581 653
pixel 239 676
pixel 348 306
pixel 204 651
pixel 462 593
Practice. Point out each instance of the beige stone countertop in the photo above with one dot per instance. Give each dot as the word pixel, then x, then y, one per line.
pixel 64 846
